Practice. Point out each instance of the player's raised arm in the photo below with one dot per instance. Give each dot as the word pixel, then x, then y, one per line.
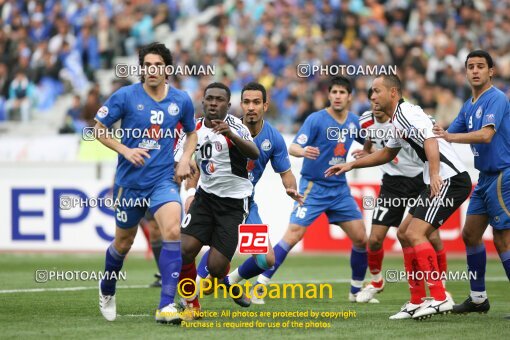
pixel 241 139
pixel 379 157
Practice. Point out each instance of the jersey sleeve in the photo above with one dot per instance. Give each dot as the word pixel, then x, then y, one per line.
pixel 113 109
pixel 359 135
pixel 280 157
pixel 243 132
pixel 188 115
pixel 459 123
pixel 495 111
pixel 305 134
pixel 421 123
pixel 179 148
pixel 394 143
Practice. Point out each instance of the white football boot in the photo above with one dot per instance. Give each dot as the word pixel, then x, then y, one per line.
pixel 406 312
pixel 169 314
pixel 431 307
pixel 255 299
pixel 368 293
pixel 107 305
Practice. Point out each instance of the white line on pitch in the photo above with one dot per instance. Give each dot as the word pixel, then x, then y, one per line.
pixel 71 289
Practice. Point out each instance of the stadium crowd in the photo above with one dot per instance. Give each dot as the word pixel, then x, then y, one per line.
pixel 50 48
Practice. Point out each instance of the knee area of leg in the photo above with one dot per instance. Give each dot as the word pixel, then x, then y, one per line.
pixel 216 271
pixel 263 262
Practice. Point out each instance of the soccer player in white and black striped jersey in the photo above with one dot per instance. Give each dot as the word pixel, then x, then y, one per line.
pixel 448 187
pixel 402 180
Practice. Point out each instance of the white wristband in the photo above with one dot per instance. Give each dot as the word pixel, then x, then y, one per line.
pixel 191 192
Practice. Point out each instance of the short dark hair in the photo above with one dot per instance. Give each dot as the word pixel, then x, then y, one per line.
pixel 391 80
pixel 480 54
pixel 217 85
pixel 253 86
pixel 340 81
pixel 369 93
pixel 154 48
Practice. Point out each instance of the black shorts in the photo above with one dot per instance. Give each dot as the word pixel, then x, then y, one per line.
pixel 454 192
pixel 215 221
pixel 396 192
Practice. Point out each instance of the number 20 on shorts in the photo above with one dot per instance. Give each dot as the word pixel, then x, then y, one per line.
pixel 253 239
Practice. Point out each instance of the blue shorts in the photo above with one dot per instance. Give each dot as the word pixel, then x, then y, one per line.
pixel 253 214
pixel 133 203
pixel 336 202
pixel 491 197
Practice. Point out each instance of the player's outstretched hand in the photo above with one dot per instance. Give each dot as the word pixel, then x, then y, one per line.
pixel 220 127
pixel 440 132
pixel 182 171
pixel 136 156
pixel 295 195
pixel 338 169
pixel 311 152
pixel 360 153
pixel 436 182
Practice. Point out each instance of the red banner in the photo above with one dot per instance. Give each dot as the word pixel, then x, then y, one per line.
pixel 321 236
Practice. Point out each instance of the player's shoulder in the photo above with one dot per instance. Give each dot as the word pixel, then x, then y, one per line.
pixel 233 121
pixel 495 94
pixel 199 123
pixel 269 131
pixel 177 94
pixel 410 109
pixel 366 119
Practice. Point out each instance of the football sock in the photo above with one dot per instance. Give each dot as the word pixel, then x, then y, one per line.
pixel 113 264
pixel 505 259
pixel 156 250
pixel 442 264
pixel 280 252
pixel 427 264
pixel 477 261
pixel 202 269
pixel 359 266
pixel 416 287
pixel 249 269
pixel 170 263
pixel 375 259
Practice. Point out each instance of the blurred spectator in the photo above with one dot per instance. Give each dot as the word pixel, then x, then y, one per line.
pixel 448 107
pixel 73 122
pixel 92 105
pixel 21 98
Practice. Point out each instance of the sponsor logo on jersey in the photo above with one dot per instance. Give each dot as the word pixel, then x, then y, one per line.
pixel 218 146
pixel 154 131
pixel 139 107
pixel 266 145
pixel 207 167
pixel 102 112
pixel 340 150
pixel 302 139
pixel 479 112
pixel 173 109
pixel 149 144
pixel 491 118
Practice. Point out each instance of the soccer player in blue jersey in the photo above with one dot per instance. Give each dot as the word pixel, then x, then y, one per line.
pixel 145 172
pixel 484 122
pixel 322 141
pixel 272 148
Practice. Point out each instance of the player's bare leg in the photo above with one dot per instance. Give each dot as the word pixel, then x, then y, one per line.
pixel 219 265
pixel 375 257
pixel 168 218
pixel 355 230
pixel 472 234
pixel 115 255
pixel 417 235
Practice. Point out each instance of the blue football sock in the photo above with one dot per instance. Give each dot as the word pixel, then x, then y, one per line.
pixel 280 253
pixel 477 261
pixel 249 269
pixel 359 265
pixel 170 263
pixel 202 269
pixel 113 264
pixel 505 259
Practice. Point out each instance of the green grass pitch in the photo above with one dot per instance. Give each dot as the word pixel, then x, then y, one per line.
pixel 74 313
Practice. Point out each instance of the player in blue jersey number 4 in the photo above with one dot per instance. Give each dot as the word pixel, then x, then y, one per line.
pixel 484 122
pixel 145 172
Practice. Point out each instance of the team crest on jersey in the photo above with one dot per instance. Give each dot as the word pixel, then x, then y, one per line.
pixel 173 109
pixel 479 112
pixel 340 150
pixel 102 112
pixel 266 145
pixel 207 167
pixel 491 118
pixel 218 146
pixel 302 139
pixel 139 107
